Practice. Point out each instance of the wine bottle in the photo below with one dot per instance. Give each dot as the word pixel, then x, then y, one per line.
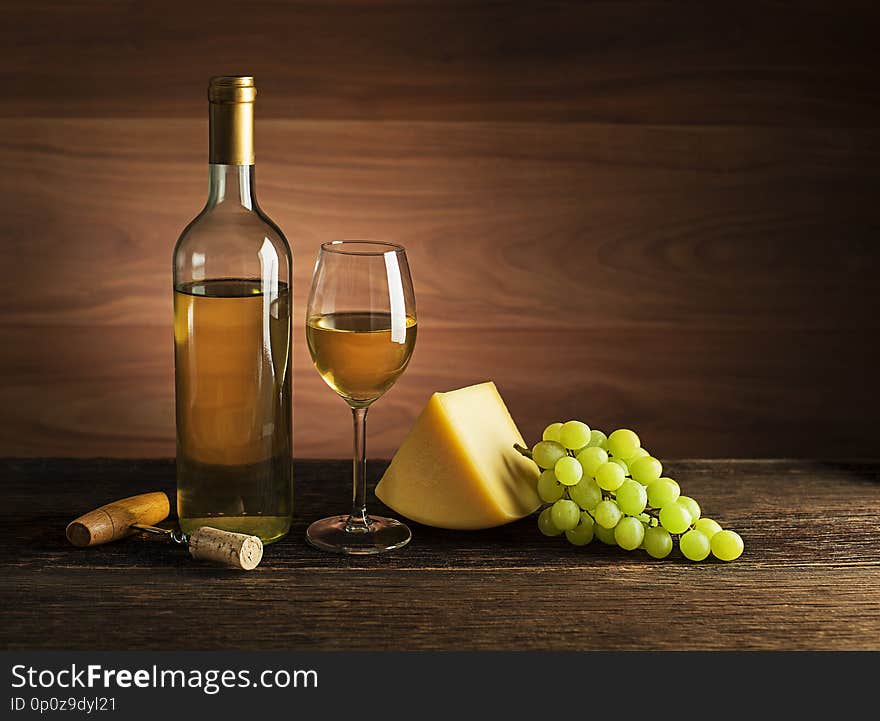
pixel 232 352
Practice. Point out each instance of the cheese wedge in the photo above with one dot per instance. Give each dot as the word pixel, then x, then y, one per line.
pixel 457 467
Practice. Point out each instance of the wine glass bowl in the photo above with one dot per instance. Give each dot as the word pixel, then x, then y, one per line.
pixel 355 355
pixel 361 328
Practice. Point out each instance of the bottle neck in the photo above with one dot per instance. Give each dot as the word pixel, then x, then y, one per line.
pixel 231 133
pixel 231 148
pixel 231 185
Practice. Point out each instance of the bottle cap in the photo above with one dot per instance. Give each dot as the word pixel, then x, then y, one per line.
pixel 231 116
pixel 232 89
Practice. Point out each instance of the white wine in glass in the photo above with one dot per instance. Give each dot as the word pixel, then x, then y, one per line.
pixel 361 329
pixel 356 354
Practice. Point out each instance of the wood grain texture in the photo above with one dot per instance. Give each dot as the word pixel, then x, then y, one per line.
pixel 633 227
pixel 757 62
pixel 801 584
pixel 108 389
pixel 673 279
pixel 652 214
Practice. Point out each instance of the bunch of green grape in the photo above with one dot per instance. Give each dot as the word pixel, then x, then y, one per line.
pixel 611 488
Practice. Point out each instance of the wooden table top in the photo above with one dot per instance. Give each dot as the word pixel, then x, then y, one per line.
pixel 808 579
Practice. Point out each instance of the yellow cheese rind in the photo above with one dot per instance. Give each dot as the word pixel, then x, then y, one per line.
pixel 457 468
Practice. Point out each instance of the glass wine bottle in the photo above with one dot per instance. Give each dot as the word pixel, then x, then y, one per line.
pixel 232 353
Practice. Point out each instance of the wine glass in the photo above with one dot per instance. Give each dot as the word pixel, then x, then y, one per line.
pixel 361 330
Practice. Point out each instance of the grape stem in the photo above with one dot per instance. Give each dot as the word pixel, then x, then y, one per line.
pixel 522 449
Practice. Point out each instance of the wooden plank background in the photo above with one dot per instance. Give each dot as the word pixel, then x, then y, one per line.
pixel 661 215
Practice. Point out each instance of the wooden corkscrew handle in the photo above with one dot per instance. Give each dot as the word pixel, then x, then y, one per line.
pixel 114 520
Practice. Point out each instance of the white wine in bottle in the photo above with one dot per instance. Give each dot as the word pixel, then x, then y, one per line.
pixel 232 354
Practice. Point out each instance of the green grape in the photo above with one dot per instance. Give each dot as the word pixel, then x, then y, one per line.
pixel 675 518
pixel 591 458
pixel 632 498
pixel 574 435
pixel 727 545
pixel 568 471
pixel 606 535
pixel 551 432
pixel 623 443
pixel 641 453
pixel 658 542
pixel 692 506
pixel 549 489
pixel 545 523
pixel 582 534
pixel 598 440
pixel 622 463
pixel 707 527
pixel 694 546
pixel 673 482
pixel 629 533
pixel 645 470
pixel 610 476
pixel 663 492
pixel 565 514
pixel 607 514
pixel 586 494
pixel 546 453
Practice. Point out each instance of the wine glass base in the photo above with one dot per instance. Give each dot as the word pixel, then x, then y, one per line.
pixel 384 534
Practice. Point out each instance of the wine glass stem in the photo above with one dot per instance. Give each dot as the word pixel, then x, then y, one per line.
pixel 358 521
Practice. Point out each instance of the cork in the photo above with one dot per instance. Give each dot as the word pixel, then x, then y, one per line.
pixel 114 520
pixel 231 549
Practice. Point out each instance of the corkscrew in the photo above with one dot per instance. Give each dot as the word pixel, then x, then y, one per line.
pixel 127 516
